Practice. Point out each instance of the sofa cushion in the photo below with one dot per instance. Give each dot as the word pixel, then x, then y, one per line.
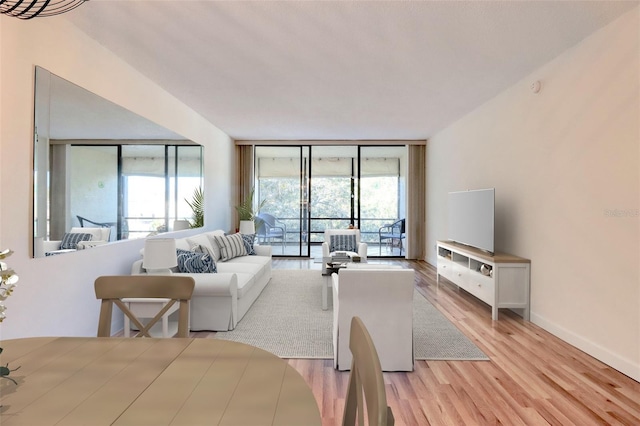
pixel 70 240
pixel 342 243
pixel 202 240
pixel 195 263
pixel 199 248
pixel 230 246
pixel 249 240
pixel 245 282
pixel 241 267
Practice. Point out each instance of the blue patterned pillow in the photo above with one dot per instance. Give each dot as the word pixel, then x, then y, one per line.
pixel 71 240
pixel 195 263
pixel 248 240
pixel 342 243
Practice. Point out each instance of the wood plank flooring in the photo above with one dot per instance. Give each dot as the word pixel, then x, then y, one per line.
pixel 533 378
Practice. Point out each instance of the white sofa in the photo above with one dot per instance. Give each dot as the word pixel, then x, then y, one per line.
pixel 99 236
pixel 383 299
pixel 221 299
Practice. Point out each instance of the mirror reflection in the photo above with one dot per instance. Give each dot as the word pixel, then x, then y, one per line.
pixel 103 173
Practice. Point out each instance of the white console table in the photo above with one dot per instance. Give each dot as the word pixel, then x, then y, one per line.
pixel 505 282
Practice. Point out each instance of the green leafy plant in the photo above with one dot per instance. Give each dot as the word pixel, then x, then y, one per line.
pixel 8 281
pixel 197 207
pixel 245 208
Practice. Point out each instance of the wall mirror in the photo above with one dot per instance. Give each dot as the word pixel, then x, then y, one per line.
pixel 102 173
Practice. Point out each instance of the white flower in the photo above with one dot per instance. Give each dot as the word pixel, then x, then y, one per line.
pixel 8 280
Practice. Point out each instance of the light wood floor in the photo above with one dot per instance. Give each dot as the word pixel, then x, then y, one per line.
pixel 533 378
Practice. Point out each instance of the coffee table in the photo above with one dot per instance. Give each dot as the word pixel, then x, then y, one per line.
pixel 327 270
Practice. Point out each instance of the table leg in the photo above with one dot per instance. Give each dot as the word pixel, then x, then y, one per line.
pixel 165 325
pixel 325 292
pixel 127 324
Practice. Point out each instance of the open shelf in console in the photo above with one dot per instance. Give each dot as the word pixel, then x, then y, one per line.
pixel 443 252
pixel 480 266
pixel 460 259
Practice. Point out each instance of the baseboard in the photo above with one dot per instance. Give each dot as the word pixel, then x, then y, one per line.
pixel 625 366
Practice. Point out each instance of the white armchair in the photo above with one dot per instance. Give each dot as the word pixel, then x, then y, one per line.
pixel 329 247
pixel 383 299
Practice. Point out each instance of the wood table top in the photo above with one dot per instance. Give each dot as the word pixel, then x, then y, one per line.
pixel 82 381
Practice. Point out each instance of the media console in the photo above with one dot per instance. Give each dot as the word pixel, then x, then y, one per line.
pixel 501 280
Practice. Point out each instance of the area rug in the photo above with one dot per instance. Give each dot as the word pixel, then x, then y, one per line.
pixel 287 320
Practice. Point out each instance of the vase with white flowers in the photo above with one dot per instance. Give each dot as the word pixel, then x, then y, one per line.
pixel 8 282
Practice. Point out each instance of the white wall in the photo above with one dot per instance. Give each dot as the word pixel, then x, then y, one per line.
pixel 562 161
pixel 55 294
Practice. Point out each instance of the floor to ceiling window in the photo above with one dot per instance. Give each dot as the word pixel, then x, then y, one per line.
pixel 308 189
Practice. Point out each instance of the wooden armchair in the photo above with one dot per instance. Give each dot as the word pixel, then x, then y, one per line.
pixel 366 378
pixel 112 289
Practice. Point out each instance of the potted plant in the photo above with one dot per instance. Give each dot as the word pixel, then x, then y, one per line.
pixel 247 215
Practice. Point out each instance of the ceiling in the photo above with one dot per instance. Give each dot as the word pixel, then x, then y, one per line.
pixel 327 70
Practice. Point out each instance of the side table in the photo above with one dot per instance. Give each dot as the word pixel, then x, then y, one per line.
pixel 148 308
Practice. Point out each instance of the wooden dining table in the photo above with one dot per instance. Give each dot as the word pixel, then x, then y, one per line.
pixel 119 381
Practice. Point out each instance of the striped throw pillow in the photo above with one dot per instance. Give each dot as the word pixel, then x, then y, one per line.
pixel 230 246
pixel 71 240
pixel 342 243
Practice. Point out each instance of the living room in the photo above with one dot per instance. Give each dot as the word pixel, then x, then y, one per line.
pixel 564 163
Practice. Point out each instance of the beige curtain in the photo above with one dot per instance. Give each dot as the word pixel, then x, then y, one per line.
pixel 244 167
pixel 416 188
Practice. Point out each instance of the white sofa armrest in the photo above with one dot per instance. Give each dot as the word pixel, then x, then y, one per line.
pixel 325 249
pixel 50 245
pixel 216 284
pixel 262 250
pixel 90 244
pixel 362 251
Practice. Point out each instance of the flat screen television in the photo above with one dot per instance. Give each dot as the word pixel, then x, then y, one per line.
pixel 471 218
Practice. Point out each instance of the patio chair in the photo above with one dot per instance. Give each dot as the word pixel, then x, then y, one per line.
pixel 87 223
pixel 270 228
pixel 392 231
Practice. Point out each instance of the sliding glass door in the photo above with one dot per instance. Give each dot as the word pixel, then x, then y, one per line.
pixel 334 189
pixel 307 189
pixel 383 199
pixel 282 184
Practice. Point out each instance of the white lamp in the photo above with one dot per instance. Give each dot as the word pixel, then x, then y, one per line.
pixel 247 227
pixel 159 255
